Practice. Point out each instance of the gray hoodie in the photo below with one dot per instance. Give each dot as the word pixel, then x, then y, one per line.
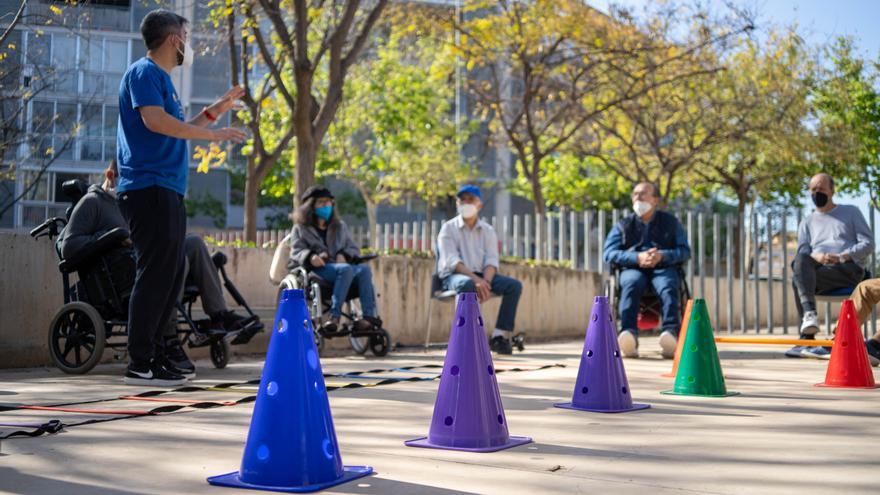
pixel 94 215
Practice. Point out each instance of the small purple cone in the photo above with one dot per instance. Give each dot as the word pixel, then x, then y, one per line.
pixel 468 414
pixel 601 384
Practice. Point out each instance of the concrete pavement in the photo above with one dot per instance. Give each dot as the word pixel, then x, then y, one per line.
pixel 782 435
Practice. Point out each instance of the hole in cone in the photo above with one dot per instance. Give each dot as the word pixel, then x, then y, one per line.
pixel 843 343
pixel 610 318
pixel 454 370
pixel 263 453
pixel 282 326
pixel 306 325
pixel 312 358
pixel 694 348
pixel 584 390
pixel 589 353
pixel 616 353
pixel 272 388
pixel 448 421
pixel 461 321
pixel 491 371
pixel 691 379
pixel 328 448
pixel 500 420
pixel 623 389
pixel 696 317
pixel 480 320
pixel 595 317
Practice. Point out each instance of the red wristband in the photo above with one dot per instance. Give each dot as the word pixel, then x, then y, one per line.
pixel 208 115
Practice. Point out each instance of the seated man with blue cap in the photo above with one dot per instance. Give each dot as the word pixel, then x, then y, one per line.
pixel 467 250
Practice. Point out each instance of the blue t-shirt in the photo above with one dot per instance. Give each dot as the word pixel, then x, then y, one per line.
pixel 145 158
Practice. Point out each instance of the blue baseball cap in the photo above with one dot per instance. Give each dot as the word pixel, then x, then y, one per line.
pixel 469 189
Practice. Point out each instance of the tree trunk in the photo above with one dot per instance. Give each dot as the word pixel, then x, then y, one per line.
pixel 742 199
pixel 537 193
pixel 251 196
pixel 305 166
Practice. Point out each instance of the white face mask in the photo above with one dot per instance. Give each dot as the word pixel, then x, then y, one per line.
pixel 188 55
pixel 467 210
pixel 642 207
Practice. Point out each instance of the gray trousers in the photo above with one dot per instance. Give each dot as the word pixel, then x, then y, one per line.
pixel 811 277
pixel 200 271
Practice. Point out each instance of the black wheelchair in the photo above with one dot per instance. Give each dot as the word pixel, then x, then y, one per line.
pixel 95 311
pixel 318 295
pixel 650 310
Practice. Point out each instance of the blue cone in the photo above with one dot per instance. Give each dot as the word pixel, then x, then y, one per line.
pixel 291 445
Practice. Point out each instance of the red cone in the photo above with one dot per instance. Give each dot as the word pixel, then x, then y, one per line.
pixel 849 366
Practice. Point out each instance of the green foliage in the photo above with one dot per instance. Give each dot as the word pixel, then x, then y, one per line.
pixel 206 204
pixel 847 103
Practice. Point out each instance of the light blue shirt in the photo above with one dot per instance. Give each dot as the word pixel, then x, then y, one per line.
pixel 476 248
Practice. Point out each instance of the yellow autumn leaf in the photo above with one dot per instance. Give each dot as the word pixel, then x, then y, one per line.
pixel 55 9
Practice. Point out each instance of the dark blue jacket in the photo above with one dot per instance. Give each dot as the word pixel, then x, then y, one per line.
pixel 632 236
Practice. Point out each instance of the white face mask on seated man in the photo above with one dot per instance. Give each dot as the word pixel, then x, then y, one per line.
pixel 642 207
pixel 467 210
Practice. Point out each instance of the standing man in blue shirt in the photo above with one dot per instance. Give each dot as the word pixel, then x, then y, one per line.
pixel 153 166
pixel 468 262
pixel 648 246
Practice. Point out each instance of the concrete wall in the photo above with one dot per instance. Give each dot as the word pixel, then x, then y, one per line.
pixel 555 302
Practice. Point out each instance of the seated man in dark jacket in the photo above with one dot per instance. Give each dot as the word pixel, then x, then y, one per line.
pixel 97 213
pixel 320 242
pixel 648 246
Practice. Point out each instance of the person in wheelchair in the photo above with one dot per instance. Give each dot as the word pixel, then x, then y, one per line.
pixel 98 213
pixel 648 246
pixel 321 243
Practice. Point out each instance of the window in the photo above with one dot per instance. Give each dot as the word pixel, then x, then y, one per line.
pixel 40 189
pixel 33 215
pixel 7 192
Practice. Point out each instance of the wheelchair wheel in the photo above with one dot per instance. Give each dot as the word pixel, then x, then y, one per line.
pixel 76 338
pixel 220 352
pixel 380 342
pixel 319 343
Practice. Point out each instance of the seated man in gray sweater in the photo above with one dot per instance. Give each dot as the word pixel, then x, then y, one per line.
pixel 834 243
pixel 96 213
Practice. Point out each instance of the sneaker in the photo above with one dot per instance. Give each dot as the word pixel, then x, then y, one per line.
pixel 501 345
pixel 817 352
pixel 176 359
pixel 629 344
pixel 229 320
pixel 668 342
pixel 798 350
pixel 873 351
pixel 155 375
pixel 810 323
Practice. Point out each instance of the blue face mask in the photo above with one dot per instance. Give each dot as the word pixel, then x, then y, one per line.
pixel 324 212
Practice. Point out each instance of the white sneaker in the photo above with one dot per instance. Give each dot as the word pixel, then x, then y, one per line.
pixel 667 345
pixel 629 345
pixel 810 324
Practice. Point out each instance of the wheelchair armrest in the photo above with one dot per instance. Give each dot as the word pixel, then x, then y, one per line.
pixel 356 260
pixel 109 240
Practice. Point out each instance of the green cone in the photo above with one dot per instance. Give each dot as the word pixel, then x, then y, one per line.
pixel 699 369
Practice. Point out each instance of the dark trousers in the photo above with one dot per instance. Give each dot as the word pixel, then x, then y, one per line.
pixel 633 284
pixel 811 278
pixel 157 219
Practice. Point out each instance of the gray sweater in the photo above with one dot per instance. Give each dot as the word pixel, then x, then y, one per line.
pixel 842 230
pixel 305 240
pixel 94 215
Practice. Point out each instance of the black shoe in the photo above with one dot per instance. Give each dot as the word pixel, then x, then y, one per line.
pixel 229 320
pixel 331 325
pixel 368 323
pixel 154 375
pixel 873 351
pixel 176 359
pixel 501 345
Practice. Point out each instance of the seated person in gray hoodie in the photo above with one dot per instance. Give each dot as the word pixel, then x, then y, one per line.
pixel 321 243
pixel 97 213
